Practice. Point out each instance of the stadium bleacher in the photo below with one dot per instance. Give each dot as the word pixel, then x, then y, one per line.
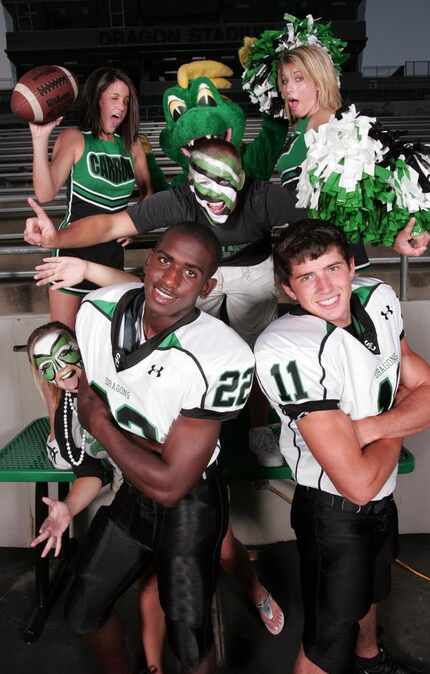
pixel 16 158
pixel 18 258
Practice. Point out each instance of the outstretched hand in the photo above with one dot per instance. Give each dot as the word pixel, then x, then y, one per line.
pixel 39 230
pixel 53 527
pixel 61 272
pixel 408 244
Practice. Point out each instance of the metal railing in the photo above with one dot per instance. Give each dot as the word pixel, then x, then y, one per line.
pixel 12 196
pixel 148 240
pixel 408 69
pixel 379 71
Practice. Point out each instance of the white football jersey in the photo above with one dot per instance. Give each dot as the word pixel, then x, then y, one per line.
pixel 306 364
pixel 198 368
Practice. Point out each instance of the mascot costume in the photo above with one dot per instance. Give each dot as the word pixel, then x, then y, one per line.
pixel 196 109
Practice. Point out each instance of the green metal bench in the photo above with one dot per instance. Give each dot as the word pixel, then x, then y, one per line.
pixel 24 459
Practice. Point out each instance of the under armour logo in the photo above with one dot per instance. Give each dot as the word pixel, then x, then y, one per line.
pixel 53 451
pixel 386 314
pixel 117 358
pixel 157 371
pixel 370 345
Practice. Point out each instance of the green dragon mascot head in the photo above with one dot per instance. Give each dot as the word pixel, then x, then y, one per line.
pixel 196 112
pixel 195 109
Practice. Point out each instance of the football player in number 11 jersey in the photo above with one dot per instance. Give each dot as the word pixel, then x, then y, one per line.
pixel 332 368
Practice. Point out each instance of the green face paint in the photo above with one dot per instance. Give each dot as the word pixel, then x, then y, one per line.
pixel 53 352
pixel 215 182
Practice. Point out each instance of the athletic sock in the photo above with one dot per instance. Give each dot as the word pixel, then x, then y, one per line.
pixel 371 664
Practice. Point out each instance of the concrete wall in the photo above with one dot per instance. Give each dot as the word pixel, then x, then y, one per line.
pixel 20 403
pixel 413 491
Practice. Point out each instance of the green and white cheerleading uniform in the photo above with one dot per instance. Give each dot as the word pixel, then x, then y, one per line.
pixel 102 181
pixel 289 165
pixel 198 368
pixel 306 364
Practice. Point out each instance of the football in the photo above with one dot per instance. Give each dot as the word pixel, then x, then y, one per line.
pixel 43 94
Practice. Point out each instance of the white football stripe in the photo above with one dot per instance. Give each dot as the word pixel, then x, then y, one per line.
pixel 71 80
pixel 31 100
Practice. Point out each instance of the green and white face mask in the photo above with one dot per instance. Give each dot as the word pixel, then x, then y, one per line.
pixel 54 353
pixel 215 182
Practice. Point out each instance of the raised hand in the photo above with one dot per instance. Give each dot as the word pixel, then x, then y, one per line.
pixel 40 230
pixel 53 527
pixel 62 272
pixel 408 244
pixel 44 130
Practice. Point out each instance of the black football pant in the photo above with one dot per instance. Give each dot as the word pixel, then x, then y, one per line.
pixel 134 534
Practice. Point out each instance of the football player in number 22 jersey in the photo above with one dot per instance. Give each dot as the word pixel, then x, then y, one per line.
pixel 161 376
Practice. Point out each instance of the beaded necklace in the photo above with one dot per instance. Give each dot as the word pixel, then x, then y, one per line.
pixel 68 404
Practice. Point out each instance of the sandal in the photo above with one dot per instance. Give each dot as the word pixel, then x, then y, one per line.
pixel 271 614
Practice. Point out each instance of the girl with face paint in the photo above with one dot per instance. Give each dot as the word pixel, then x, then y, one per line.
pixel 55 359
pixel 56 365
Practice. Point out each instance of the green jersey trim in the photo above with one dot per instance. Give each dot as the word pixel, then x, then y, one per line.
pixel 106 308
pixel 331 327
pixel 289 164
pixel 169 342
pixel 320 353
pixel 101 200
pixel 129 311
pixel 364 293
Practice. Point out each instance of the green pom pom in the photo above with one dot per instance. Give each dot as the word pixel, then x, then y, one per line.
pixel 311 31
pixel 261 67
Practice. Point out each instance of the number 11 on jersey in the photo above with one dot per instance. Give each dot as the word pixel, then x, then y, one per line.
pixel 292 373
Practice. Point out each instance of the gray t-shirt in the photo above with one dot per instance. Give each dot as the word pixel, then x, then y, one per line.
pixel 245 236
